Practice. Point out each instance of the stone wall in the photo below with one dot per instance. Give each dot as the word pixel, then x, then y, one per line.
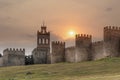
pixel 70 54
pixel 58 52
pixel 110 31
pixel 111 49
pixel 13 57
pixel 98 50
pixel 112 40
pixel 83 47
pixel 40 55
pixel 1 61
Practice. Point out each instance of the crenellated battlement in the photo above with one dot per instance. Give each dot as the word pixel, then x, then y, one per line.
pixel 84 49
pixel 58 51
pixel 39 33
pixel 111 28
pixel 110 31
pixel 86 36
pixel 58 43
pixel 13 57
pixel 12 50
pixel 97 43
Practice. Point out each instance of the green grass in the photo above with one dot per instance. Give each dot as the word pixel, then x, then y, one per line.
pixel 104 69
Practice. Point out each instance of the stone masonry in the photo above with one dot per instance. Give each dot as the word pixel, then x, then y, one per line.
pixel 84 49
pixel 41 54
pixel 58 52
pixel 13 57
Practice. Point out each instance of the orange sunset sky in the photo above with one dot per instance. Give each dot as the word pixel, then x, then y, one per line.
pixel 20 20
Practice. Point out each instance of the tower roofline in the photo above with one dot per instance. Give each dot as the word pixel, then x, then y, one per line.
pixel 43 24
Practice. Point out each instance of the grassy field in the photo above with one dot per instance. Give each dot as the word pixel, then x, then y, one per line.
pixel 105 69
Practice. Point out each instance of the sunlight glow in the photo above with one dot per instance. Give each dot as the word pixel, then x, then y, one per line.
pixel 71 33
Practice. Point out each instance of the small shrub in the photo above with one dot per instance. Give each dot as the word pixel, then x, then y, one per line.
pixel 29 73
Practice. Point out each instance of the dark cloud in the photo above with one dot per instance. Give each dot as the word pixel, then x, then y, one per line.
pixel 4 4
pixel 6 19
pixel 109 9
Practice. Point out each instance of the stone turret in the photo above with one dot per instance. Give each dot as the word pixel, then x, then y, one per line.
pixel 41 54
pixel 13 57
pixel 110 32
pixel 58 52
pixel 112 40
pixel 83 46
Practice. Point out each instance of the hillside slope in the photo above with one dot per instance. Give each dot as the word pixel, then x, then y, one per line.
pixel 105 69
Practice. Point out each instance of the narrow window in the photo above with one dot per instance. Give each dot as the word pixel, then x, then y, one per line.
pixel 47 41
pixel 43 41
pixel 40 41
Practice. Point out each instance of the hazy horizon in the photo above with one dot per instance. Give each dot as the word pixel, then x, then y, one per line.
pixel 20 20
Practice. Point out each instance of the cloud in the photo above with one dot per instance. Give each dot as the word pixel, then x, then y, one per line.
pixel 19 19
pixel 8 3
pixel 109 9
pixel 55 37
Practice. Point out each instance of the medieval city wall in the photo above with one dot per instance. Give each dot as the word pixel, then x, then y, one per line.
pixel 98 50
pixel 110 49
pixel 112 41
pixel 13 57
pixel 70 54
pixel 40 55
pixel 83 47
pixel 110 31
pixel 1 61
pixel 58 52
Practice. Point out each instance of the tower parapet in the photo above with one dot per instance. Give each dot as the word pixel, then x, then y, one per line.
pixel 84 36
pixel 58 43
pixel 14 51
pixel 111 28
pixel 83 40
pixel 97 43
pixel 110 31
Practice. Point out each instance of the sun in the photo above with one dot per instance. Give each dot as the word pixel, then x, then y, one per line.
pixel 71 33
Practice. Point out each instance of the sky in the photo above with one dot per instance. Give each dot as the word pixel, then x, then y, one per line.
pixel 20 20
